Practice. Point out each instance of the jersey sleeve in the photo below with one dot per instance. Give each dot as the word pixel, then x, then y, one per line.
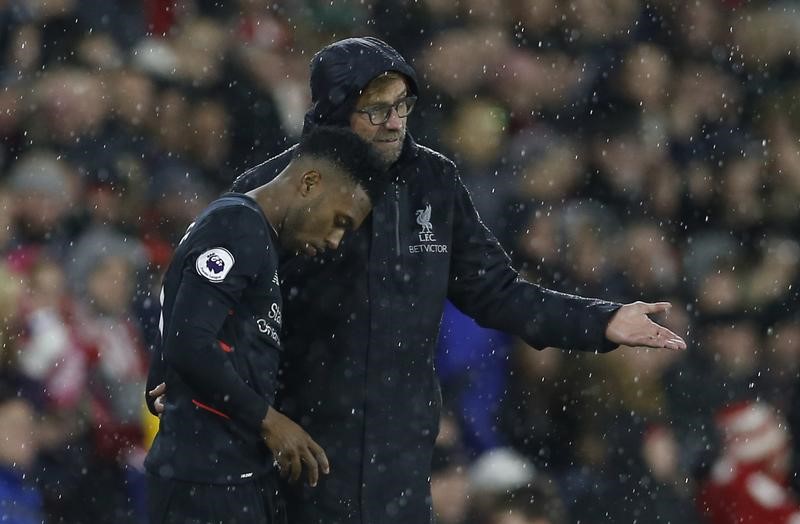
pixel 222 259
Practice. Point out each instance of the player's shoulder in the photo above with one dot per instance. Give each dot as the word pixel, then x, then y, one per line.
pixel 231 232
pixel 234 206
pixel 234 215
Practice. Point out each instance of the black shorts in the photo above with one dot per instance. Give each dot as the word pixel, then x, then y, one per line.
pixel 179 502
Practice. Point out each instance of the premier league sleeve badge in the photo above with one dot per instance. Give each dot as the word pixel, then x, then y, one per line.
pixel 214 264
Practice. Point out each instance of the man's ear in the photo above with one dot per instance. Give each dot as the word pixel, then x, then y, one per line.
pixel 309 181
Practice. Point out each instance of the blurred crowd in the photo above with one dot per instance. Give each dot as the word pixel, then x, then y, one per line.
pixel 626 149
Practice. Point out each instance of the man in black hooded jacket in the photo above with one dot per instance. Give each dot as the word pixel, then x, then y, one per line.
pixel 361 325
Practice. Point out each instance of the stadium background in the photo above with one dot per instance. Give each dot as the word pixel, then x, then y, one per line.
pixel 618 148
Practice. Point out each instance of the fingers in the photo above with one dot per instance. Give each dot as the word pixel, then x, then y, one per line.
pixel 662 338
pixel 158 390
pixel 315 459
pixel 676 343
pixel 312 466
pixel 293 448
pixel 290 466
pixel 290 463
pixel 672 340
pixel 650 308
pixel 283 464
pixel 296 468
pixel 321 457
pixel 159 393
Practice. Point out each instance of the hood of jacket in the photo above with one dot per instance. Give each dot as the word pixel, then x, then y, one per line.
pixel 341 70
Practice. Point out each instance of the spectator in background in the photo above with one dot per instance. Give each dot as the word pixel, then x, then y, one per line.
pixel 114 200
pixel 774 273
pixel 12 288
pixel 536 503
pixel 51 349
pixel 781 364
pixel 43 187
pixel 71 115
pixel 648 260
pixel 131 134
pixel 497 472
pixel 449 474
pixel 644 478
pixel 20 500
pixel 749 480
pixel 11 131
pixel 539 416
pixel 83 346
pixel 68 354
pixel 103 274
pixel 728 353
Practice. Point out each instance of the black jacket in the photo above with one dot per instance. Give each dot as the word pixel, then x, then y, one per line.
pixel 361 324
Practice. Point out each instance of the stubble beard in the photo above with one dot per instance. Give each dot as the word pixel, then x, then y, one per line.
pixel 389 155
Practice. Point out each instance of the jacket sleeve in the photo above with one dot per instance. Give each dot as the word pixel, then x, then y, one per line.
pixel 485 286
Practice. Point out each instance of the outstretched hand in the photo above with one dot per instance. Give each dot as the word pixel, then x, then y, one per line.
pixel 630 326
pixel 292 447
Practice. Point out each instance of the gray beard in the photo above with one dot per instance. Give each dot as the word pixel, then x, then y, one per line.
pixel 389 158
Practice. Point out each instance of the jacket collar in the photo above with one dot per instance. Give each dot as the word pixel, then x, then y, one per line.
pixel 409 153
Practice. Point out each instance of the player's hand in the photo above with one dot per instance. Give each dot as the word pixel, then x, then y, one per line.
pixel 630 326
pixel 160 394
pixel 292 447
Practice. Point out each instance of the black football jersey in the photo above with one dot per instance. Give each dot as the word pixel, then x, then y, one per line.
pixel 220 346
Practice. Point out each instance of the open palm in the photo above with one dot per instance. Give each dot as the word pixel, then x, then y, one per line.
pixel 631 326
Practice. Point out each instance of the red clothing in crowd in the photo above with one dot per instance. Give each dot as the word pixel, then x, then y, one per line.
pixel 748 484
pixel 745 494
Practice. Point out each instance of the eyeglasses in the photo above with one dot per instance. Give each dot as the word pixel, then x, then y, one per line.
pixel 380 113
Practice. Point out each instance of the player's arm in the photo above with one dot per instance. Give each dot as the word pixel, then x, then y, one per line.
pixel 220 257
pixel 192 349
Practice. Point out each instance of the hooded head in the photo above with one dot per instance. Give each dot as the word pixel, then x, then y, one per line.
pixel 341 70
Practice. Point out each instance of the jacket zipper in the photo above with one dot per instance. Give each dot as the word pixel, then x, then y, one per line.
pixel 397 218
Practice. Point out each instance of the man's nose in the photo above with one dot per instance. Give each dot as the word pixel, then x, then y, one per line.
pixel 333 240
pixel 395 123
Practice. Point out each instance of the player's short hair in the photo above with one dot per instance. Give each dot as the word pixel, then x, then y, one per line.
pixel 350 153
